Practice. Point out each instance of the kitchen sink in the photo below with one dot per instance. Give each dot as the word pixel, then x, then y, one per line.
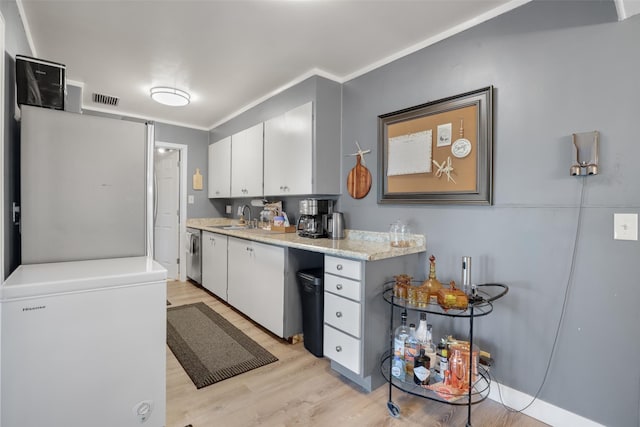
pixel 231 227
pixel 241 227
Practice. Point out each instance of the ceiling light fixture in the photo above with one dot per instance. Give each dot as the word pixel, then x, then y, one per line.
pixel 170 96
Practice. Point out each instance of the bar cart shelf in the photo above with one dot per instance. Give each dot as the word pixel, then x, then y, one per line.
pixel 479 306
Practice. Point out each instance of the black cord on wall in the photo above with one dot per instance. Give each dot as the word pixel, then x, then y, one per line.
pixel 562 312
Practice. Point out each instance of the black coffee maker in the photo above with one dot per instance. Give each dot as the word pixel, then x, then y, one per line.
pixel 313 217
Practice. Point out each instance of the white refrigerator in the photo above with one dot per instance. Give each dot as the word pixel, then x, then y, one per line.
pixel 83 344
pixel 83 319
pixel 85 186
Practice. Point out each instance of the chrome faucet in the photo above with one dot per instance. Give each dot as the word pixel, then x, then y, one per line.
pixel 248 220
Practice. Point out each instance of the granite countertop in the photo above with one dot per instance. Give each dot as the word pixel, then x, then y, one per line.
pixel 360 245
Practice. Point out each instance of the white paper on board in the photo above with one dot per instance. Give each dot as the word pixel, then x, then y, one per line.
pixel 409 154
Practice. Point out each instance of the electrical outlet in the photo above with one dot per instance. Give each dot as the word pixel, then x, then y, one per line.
pixel 625 226
pixel 228 209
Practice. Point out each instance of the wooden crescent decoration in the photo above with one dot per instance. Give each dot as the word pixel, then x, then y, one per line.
pixel 359 180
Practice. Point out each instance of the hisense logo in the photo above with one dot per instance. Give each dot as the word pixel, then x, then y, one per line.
pixel 37 307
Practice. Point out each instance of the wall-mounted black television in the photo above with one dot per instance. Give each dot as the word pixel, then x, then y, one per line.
pixel 40 83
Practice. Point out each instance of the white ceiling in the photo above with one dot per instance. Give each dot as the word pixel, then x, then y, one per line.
pixel 230 55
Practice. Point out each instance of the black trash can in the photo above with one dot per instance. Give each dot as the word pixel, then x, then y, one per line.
pixel 312 296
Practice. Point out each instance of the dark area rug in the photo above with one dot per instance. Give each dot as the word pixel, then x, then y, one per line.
pixel 209 347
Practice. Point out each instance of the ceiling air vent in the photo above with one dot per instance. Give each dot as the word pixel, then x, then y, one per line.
pixel 100 98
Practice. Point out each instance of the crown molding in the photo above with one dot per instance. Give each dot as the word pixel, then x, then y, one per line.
pixel 27 28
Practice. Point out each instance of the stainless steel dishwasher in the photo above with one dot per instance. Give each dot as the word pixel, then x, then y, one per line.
pixel 194 255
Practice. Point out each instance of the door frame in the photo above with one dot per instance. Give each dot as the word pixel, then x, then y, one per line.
pixel 182 226
pixel 2 145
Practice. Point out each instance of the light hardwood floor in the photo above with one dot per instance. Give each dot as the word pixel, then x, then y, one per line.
pixel 300 390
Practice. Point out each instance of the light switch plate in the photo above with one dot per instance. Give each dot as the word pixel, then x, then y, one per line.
pixel 625 226
pixel 191 199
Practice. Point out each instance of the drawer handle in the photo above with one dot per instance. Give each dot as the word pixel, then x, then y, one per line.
pixel 339 267
pixel 338 348
pixel 339 286
pixel 338 314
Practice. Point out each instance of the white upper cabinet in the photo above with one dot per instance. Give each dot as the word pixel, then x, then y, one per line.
pixel 288 152
pixel 220 169
pixel 295 153
pixel 246 162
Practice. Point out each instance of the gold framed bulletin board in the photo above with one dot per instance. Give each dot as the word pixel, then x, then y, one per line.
pixel 440 152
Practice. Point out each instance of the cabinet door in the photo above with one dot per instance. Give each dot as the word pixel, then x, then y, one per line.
pixel 214 263
pixel 288 152
pixel 220 169
pixel 246 162
pixel 239 275
pixel 268 286
pixel 256 282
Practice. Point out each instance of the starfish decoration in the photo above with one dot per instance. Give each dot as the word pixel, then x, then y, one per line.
pixel 444 168
pixel 361 153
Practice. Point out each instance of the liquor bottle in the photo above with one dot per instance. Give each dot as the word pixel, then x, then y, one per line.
pixel 421 368
pixel 400 336
pixel 397 369
pixel 423 334
pixel 430 348
pixel 411 347
pixel 444 360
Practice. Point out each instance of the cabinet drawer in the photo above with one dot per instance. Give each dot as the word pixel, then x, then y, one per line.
pixel 342 267
pixel 340 286
pixel 342 313
pixel 342 348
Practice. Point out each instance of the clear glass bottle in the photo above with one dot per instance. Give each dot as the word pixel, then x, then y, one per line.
pixel 411 347
pixel 400 336
pixel 397 368
pixel 423 334
pixel 430 347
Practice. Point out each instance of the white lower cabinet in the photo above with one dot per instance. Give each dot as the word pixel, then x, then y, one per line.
pixel 256 282
pixel 356 321
pixel 342 314
pixel 342 348
pixel 214 263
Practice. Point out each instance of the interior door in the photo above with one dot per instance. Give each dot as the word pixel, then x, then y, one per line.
pixel 167 210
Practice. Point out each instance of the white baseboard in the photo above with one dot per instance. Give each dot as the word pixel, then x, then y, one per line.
pixel 540 410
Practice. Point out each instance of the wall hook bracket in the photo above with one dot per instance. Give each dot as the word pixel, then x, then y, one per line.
pixel 585 153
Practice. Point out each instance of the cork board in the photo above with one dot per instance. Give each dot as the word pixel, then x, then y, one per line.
pixel 439 152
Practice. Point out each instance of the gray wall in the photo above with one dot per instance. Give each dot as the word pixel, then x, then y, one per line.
pixel 293 97
pixel 197 157
pixel 557 68
pixel 15 43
